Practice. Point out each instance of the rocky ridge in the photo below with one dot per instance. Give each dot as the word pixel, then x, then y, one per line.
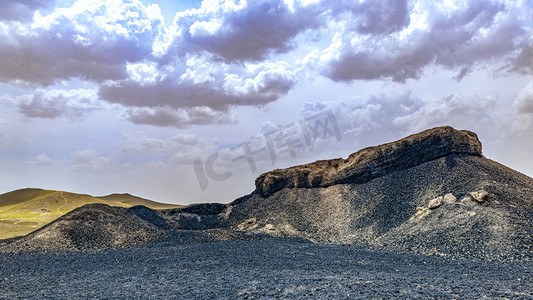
pixel 373 162
pixel 401 195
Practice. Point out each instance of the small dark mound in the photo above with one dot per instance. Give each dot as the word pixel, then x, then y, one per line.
pixel 92 227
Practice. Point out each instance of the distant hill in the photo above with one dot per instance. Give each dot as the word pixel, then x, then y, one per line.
pixel 134 200
pixel 25 210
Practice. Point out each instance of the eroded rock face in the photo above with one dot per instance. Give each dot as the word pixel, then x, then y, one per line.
pixel 373 162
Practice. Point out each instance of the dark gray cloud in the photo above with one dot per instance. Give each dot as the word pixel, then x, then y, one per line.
pixel 117 45
pixel 98 41
pixel 474 33
pixel 237 32
pixel 246 31
pixel 22 10
pixel 462 73
pixel 158 117
pixel 91 41
pixel 199 96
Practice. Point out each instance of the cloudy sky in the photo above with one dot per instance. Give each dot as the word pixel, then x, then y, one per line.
pixel 190 101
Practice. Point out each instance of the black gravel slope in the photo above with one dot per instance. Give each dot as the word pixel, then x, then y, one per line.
pixel 383 211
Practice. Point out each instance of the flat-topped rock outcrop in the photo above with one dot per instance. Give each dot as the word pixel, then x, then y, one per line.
pixel 373 162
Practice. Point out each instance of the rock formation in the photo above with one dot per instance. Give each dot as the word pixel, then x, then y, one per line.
pixel 401 195
pixel 373 162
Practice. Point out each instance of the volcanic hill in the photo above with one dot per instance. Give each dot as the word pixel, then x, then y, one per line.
pixel 433 192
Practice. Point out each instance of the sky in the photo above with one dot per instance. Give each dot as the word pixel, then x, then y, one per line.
pixel 189 101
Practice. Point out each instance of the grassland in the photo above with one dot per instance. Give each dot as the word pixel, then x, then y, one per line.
pixel 23 211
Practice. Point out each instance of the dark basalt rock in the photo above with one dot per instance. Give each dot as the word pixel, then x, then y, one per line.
pixel 373 162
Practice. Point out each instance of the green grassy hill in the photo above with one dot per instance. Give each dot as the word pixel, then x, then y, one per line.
pixel 23 211
pixel 134 200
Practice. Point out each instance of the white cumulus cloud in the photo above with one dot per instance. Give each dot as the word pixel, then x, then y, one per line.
pixel 42 160
pixel 462 37
pixel 524 101
pixel 91 40
pixel 51 104
pixel 229 54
